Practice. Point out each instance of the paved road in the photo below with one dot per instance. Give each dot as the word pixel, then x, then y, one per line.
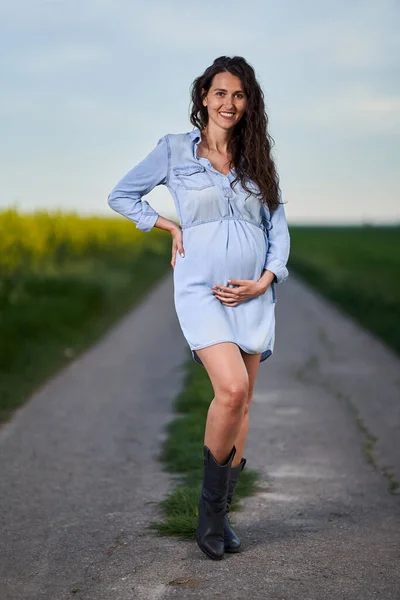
pixel 80 480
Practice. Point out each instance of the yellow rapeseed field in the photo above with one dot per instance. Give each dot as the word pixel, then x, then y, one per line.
pixel 30 241
pixel 63 280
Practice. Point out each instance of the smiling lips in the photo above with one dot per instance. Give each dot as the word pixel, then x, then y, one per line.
pixel 227 115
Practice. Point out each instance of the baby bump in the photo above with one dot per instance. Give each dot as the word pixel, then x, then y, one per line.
pixel 245 250
pixel 221 249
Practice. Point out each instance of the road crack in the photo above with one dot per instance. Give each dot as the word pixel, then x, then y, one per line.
pixel 310 372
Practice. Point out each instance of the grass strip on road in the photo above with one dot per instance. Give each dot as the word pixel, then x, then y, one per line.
pixel 357 268
pixel 182 455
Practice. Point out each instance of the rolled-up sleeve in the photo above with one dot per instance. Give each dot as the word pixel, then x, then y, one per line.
pixel 126 197
pixel 278 243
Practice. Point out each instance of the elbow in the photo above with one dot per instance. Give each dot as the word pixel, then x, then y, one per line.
pixel 132 208
pixel 116 201
pixel 112 200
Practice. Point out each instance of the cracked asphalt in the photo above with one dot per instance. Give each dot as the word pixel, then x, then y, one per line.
pixel 80 480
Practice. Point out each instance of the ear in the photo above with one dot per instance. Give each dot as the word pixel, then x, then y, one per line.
pixel 204 93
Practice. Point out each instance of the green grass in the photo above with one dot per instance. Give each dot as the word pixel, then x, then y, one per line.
pixel 53 313
pixel 358 269
pixel 182 454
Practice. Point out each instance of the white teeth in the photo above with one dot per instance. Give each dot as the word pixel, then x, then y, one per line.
pixel 227 114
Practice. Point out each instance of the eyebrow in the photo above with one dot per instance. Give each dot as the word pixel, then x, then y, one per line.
pixel 223 90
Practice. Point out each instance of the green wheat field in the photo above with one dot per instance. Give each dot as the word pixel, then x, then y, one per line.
pixel 358 268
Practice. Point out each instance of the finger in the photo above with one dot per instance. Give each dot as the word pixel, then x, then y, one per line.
pixel 231 295
pixel 238 281
pixel 225 289
pixel 228 300
pixel 221 293
pixel 233 299
pixel 173 258
pixel 181 250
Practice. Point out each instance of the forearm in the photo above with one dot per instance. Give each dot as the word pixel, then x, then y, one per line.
pixel 166 224
pixel 265 280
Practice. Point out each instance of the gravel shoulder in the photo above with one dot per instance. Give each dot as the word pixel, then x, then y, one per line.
pixel 80 478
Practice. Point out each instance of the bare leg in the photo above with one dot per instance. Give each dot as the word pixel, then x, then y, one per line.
pixel 252 362
pixel 228 374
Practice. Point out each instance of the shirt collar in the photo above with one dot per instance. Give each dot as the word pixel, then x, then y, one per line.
pixel 195 136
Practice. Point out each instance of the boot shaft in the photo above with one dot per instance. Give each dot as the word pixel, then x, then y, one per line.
pixel 233 479
pixel 216 478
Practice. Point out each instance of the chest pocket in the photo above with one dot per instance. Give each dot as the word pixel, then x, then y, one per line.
pixel 193 177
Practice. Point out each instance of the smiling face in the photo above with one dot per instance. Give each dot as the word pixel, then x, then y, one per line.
pixel 226 100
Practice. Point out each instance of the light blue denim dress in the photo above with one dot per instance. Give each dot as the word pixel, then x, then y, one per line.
pixel 227 234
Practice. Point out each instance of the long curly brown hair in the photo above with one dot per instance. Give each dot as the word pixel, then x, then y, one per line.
pixel 250 145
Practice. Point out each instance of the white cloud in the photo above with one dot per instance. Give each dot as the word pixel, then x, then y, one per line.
pixel 382 112
pixel 348 110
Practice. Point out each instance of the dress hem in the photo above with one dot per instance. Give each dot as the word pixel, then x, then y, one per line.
pixel 264 355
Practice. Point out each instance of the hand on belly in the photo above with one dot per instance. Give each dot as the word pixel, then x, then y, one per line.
pixel 244 289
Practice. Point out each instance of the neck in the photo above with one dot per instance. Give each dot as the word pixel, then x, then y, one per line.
pixel 217 138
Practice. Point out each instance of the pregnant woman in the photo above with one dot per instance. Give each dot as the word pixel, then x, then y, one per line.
pixel 228 252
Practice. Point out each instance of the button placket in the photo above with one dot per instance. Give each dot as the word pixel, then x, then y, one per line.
pixel 225 184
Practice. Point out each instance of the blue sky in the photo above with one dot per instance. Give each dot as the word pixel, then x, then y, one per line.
pixel 89 86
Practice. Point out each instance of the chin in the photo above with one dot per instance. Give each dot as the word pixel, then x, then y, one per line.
pixel 226 125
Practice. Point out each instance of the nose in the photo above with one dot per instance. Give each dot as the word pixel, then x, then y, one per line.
pixel 228 103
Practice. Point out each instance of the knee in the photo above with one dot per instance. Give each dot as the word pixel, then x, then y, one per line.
pixel 234 396
pixel 248 401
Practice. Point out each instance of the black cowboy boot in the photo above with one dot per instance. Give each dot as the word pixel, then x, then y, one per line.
pixel 212 505
pixel 231 540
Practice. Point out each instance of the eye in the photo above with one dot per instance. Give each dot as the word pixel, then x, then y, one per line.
pixel 220 93
pixel 240 96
